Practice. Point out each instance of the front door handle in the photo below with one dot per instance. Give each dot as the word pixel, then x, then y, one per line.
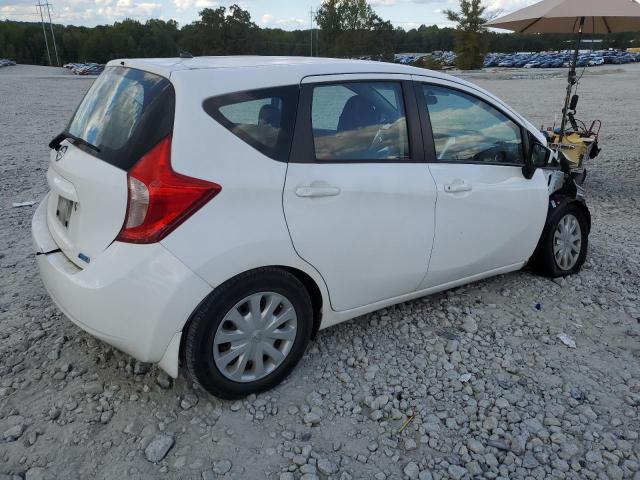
pixel 458 186
pixel 310 192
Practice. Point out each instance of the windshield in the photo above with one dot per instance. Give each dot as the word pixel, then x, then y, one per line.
pixel 124 114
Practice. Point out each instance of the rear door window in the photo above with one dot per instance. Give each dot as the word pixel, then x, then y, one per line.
pixel 359 121
pixel 262 118
pixel 124 114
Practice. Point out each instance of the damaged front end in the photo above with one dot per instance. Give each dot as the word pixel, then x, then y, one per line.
pixel 560 178
pixel 562 185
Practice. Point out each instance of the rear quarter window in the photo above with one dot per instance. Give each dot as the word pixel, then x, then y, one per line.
pixel 125 113
pixel 262 118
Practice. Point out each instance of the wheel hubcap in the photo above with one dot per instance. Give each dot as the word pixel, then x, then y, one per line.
pixel 255 337
pixel 567 242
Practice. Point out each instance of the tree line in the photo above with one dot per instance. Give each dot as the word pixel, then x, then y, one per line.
pixel 347 28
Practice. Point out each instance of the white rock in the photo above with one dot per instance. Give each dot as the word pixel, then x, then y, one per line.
pixel 13 433
pixel 411 471
pixel 469 325
pixel 221 467
pixel 158 448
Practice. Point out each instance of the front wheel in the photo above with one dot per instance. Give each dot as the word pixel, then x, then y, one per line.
pixel 563 247
pixel 249 333
pixel 579 177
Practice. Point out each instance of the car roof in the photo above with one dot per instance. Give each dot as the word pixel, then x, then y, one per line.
pixel 298 68
pixel 303 66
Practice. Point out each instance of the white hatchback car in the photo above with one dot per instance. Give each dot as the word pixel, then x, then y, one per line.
pixel 223 210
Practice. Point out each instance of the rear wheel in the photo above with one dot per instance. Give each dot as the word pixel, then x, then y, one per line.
pixel 563 248
pixel 249 333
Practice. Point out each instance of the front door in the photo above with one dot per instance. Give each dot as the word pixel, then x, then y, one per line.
pixel 488 215
pixel 359 199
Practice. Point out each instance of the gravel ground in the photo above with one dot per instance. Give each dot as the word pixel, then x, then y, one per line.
pixel 473 382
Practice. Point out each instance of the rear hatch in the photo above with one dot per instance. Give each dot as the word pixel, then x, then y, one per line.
pixel 125 113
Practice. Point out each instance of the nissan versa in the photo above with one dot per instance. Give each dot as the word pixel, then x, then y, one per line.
pixel 218 212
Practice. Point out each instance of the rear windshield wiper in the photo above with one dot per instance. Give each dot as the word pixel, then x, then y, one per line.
pixel 55 143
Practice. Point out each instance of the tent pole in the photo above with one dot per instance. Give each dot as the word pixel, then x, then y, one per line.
pixel 571 80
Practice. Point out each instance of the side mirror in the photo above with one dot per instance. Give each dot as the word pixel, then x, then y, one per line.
pixel 539 155
pixel 431 99
pixel 538 158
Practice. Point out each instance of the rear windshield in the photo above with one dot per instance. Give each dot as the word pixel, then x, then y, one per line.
pixel 124 114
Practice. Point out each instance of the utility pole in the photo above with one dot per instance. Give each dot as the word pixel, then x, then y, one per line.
pixel 46 42
pixel 53 35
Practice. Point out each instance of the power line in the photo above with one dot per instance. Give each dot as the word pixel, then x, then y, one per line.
pixel 12 14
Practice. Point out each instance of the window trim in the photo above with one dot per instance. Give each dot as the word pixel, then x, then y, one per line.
pixel 290 96
pixel 303 150
pixel 425 121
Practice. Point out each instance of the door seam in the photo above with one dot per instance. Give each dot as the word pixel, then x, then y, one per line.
pixel 435 222
pixel 293 245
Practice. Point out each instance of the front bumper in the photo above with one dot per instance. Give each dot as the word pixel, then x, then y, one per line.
pixel 134 297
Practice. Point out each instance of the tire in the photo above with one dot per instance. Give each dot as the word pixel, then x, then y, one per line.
pixel 544 261
pixel 227 314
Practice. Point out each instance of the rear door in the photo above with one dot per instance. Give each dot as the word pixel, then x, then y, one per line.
pixel 123 115
pixel 488 215
pixel 358 199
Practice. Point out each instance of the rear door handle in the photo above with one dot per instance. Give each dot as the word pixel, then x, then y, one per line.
pixel 310 192
pixel 458 186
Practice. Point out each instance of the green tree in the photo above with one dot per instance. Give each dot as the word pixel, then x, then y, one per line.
pixel 239 31
pixel 470 42
pixel 220 31
pixel 159 38
pixel 349 28
pixel 352 28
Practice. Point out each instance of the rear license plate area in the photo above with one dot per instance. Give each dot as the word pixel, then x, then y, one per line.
pixel 64 210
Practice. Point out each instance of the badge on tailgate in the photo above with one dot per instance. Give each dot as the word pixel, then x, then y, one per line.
pixel 63 212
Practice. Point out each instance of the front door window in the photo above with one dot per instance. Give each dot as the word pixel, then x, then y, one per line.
pixel 467 129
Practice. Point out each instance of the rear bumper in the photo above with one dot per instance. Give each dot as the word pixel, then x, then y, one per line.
pixel 134 297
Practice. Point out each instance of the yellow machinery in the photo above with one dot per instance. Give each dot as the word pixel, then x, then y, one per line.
pixel 575 146
pixel 577 143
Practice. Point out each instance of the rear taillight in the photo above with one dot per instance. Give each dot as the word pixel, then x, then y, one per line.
pixel 159 198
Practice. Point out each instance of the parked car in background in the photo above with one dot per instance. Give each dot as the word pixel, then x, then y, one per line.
pixel 91 70
pixel 202 213
pixel 85 68
pixel 5 62
pixel 443 58
pixel 557 59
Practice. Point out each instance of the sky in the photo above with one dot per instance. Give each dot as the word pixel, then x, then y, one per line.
pixel 286 14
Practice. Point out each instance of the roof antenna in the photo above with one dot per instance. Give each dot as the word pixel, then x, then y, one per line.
pixel 185 55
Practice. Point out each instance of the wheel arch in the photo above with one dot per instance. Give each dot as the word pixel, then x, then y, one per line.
pixel 565 201
pixel 314 291
pixel 312 287
pixel 559 201
pixel 582 205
